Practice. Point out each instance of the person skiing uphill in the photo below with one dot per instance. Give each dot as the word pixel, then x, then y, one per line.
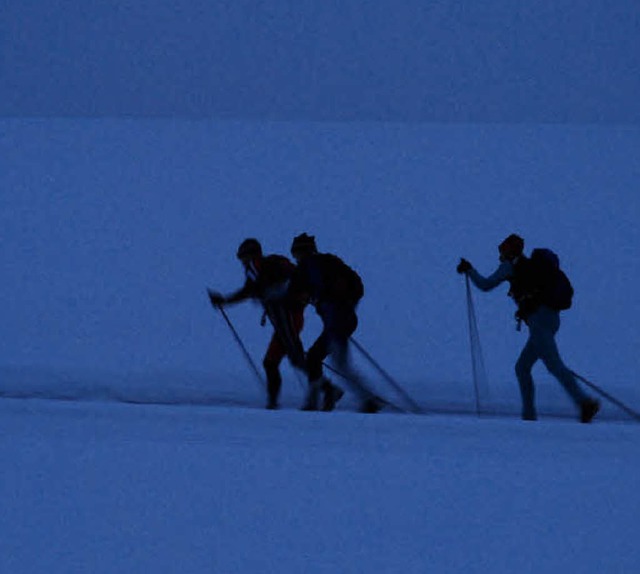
pixel 334 289
pixel 541 291
pixel 267 279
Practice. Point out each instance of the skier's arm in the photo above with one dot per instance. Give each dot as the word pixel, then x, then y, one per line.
pixel 247 291
pixel 500 275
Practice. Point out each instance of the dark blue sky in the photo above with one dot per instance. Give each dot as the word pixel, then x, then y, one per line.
pixel 412 60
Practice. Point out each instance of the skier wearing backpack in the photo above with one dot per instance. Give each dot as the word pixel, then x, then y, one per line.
pixel 541 291
pixel 267 279
pixel 334 289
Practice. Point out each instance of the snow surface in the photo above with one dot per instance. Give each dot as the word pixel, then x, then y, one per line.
pixel 91 487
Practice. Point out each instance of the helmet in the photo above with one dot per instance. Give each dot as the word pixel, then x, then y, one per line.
pixel 249 248
pixel 511 247
pixel 304 243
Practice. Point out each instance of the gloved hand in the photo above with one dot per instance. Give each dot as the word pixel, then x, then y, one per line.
pixel 217 299
pixel 464 266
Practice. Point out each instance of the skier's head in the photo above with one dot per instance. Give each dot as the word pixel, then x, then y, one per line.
pixel 303 245
pixel 511 248
pixel 249 249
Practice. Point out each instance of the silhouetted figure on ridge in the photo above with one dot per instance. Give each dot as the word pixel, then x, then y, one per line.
pixel 267 280
pixel 334 289
pixel 541 290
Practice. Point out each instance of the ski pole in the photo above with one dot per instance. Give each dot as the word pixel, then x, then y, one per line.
pixel 242 347
pixel 633 414
pixel 473 329
pixel 416 408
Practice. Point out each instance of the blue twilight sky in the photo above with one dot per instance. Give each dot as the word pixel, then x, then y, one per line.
pixel 407 60
pixel 140 143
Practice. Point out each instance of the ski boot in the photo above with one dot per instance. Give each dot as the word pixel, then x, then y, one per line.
pixel 332 394
pixel 588 409
pixel 312 398
pixel 371 405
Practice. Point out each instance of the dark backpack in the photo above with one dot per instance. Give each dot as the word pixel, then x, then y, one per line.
pixel 554 288
pixel 356 287
pixel 275 269
pixel 341 282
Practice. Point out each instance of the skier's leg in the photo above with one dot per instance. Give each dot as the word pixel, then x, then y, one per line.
pixel 315 356
pixel 271 363
pixel 524 365
pixel 548 349
pixel 551 358
pixel 294 322
pixel 342 328
pixel 288 324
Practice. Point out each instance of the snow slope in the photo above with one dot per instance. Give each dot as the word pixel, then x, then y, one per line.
pixel 107 488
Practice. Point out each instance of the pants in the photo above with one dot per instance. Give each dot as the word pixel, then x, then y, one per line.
pixel 339 322
pixel 543 325
pixel 285 341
